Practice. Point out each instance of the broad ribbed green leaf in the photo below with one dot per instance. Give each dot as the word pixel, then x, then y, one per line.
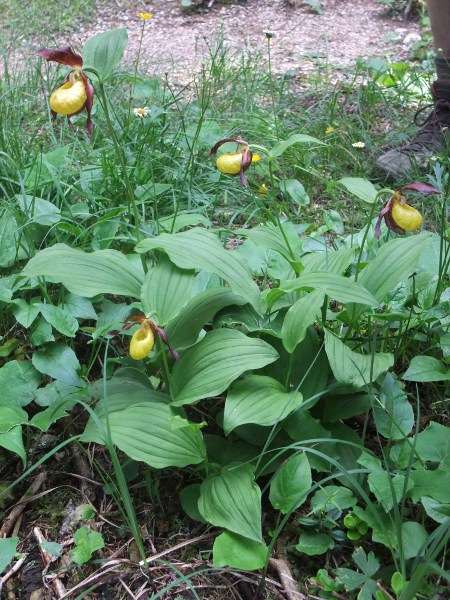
pixel 201 249
pixel 260 400
pixel 299 317
pixel 166 289
pixel 148 431
pixel 208 368
pixel 393 414
pixel 331 262
pixel 184 329
pixel 105 50
pixel 291 483
pixel 361 188
pixel 337 287
pixel 353 368
pixel 297 138
pixel 271 238
pixel 87 274
pixel 232 550
pixel 393 263
pixel 232 500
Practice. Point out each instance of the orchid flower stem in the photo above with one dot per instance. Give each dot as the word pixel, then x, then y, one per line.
pixel 132 204
pixel 369 227
pixel 272 94
pixel 167 375
pixel 136 65
pixel 278 220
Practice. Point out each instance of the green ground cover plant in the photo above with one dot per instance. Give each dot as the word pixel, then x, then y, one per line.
pixel 270 330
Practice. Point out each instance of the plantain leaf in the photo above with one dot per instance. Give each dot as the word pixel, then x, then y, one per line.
pixel 208 368
pixel 299 317
pixel 87 274
pixel 291 483
pixel 184 329
pixel 337 287
pixel 353 368
pixel 259 400
pixel 166 289
pixel 104 51
pixel 393 263
pixel 361 188
pixel 297 138
pixel 232 499
pixel 232 550
pixel 201 249
pixel 146 429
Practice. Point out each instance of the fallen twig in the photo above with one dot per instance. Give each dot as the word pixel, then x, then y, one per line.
pixel 281 566
pixel 17 565
pixel 18 509
pixel 47 558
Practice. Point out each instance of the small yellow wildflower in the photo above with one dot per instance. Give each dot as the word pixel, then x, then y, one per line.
pixel 358 144
pixel 145 16
pixel 329 130
pixel 141 112
pixel 263 189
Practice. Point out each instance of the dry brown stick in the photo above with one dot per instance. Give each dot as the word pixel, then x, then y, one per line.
pixel 18 509
pixel 282 568
pixel 12 571
pixel 126 588
pixel 177 547
pixel 95 578
pixel 58 587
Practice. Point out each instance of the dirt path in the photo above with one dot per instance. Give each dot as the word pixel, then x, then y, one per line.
pixel 178 42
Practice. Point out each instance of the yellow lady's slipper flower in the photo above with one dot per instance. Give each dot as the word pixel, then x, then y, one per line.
pixel 69 98
pixel 235 163
pixel 398 215
pixel 405 216
pixel 77 93
pixel 142 341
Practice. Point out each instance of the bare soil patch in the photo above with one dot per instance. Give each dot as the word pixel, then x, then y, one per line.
pixel 178 42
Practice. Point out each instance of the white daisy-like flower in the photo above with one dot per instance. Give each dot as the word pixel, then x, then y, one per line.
pixel 141 112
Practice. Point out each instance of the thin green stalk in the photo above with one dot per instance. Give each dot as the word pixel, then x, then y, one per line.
pixel 369 227
pixel 131 199
pixel 269 36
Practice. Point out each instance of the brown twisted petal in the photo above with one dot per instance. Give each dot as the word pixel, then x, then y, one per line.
pixel 63 56
pixel 89 102
pixel 246 161
pixel 423 188
pixel 385 214
pixel 226 141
